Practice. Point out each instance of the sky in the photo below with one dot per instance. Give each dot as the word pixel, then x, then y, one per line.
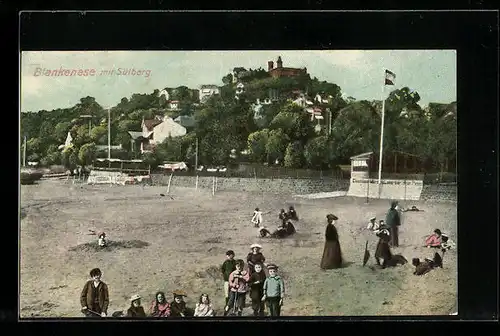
pixel 359 73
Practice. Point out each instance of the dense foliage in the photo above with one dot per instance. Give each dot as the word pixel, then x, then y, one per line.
pixel 228 131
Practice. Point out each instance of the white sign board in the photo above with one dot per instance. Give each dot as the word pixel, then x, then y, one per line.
pixel 359 163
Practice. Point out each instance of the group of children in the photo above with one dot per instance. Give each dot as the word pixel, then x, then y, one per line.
pixel 262 288
pixel 239 281
pixel 94 300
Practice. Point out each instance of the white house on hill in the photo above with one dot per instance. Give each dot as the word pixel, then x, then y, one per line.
pixel 155 131
pixel 208 90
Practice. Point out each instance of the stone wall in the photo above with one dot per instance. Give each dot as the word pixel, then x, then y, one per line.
pixel 264 185
pixel 447 193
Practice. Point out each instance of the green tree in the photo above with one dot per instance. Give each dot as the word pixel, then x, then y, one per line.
pixel 69 158
pixel 318 152
pixel 99 135
pixel 257 142
pixel 294 155
pixel 87 154
pixel 61 131
pixel 276 145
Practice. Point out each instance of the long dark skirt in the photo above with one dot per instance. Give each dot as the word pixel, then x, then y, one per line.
pixel 332 255
pixel 383 251
pixel 394 236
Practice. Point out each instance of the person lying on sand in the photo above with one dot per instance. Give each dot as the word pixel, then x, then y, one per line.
pixel 424 267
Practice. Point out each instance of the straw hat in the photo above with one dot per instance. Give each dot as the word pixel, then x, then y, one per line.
pixel 179 293
pixel 255 246
pixel 135 297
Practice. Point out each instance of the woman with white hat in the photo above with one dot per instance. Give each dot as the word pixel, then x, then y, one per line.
pixel 255 257
pixel 136 310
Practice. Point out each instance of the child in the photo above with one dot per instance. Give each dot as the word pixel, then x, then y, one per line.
pixel 372 225
pixel 102 239
pixel 434 240
pixel 256 283
pixel 228 266
pixel 135 310
pixel 274 290
pixel 254 257
pixel 203 307
pixel 238 288
pixel 383 250
pixel 257 217
pixel 95 295
pixel 292 214
pixel 282 215
pixel 160 307
pixel 178 306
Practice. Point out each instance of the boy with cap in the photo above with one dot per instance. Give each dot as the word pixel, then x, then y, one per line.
pixel 228 266
pixel 274 290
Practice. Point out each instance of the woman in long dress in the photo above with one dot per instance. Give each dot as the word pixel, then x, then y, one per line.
pixel 332 255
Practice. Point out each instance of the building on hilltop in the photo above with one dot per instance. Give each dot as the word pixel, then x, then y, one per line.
pixel 280 71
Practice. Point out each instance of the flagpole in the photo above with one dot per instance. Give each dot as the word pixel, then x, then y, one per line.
pixel 381 141
pixel 109 134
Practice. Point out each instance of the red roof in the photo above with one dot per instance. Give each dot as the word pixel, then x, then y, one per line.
pixel 317 109
pixel 150 124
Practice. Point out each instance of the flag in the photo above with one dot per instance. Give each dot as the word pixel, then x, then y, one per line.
pixel 389 77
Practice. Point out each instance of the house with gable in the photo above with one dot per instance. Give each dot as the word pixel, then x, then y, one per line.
pixel 154 132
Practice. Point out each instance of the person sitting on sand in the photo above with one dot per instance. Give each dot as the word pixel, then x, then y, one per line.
pixel 255 257
pixel 434 240
pixel 446 243
pixel 178 305
pixel 282 215
pixel 135 310
pixel 257 217
pixel 160 307
pixel 292 214
pixel 203 307
pixel 102 239
pixel 289 228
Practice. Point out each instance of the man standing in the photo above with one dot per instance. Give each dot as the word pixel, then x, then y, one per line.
pixel 393 221
pixel 274 290
pixel 95 296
